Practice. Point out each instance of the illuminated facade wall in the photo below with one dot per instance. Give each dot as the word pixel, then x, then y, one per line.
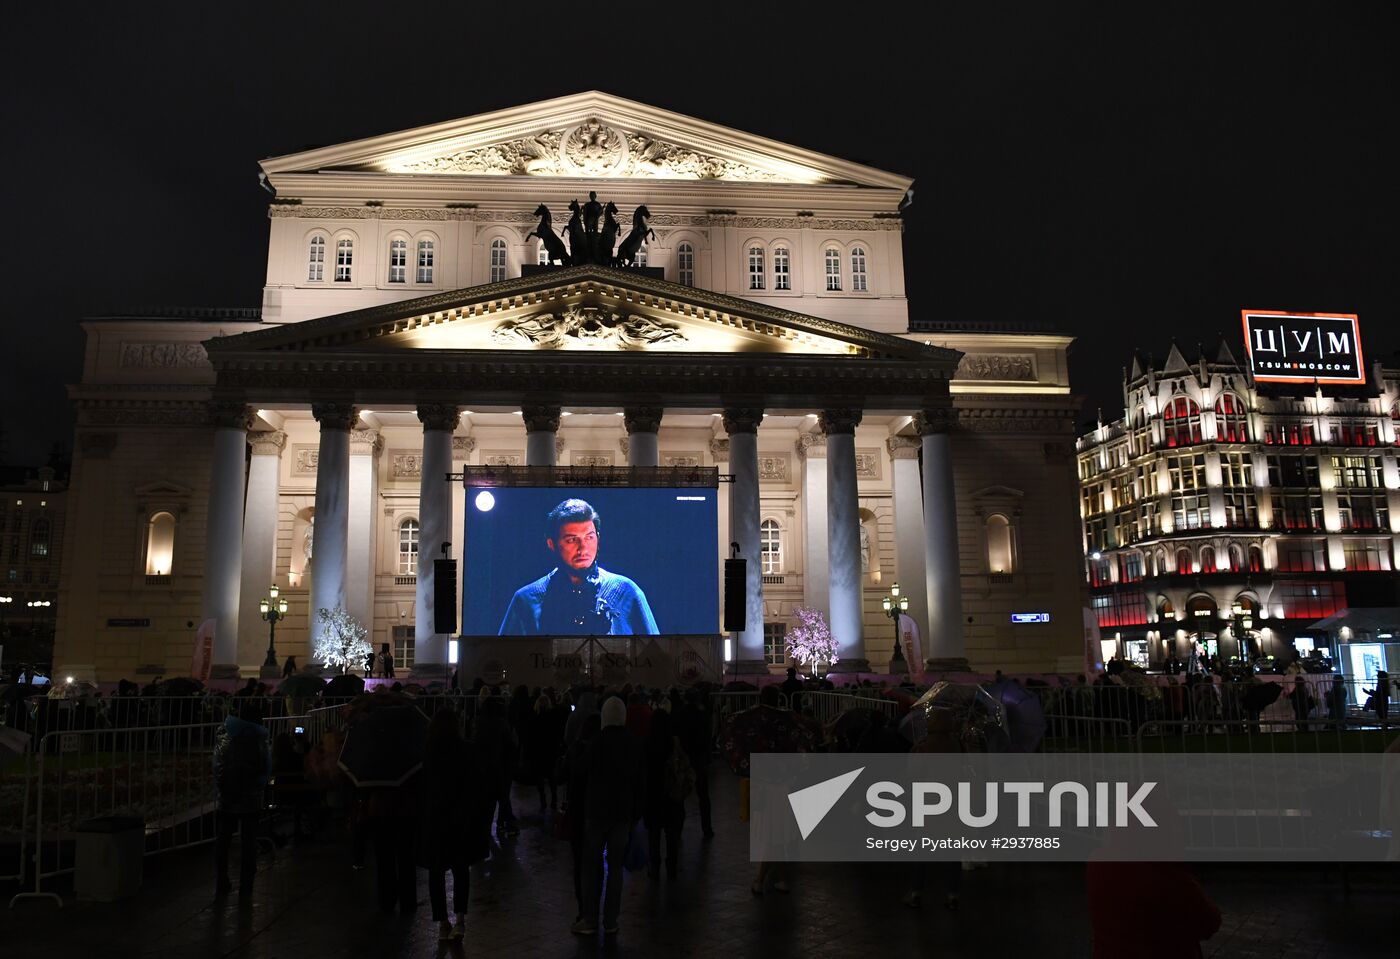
pixel 1210 492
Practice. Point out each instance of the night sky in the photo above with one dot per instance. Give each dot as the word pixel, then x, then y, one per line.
pixel 1128 180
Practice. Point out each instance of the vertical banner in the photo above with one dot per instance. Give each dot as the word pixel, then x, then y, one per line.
pixel 913 645
pixel 203 662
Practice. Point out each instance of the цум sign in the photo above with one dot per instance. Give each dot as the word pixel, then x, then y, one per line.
pixel 1303 347
pixel 1030 617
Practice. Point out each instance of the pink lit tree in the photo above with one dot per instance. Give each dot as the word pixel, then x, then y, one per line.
pixel 810 642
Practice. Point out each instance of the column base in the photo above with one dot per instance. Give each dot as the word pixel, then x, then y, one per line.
pixel 947 664
pixel 269 672
pixel 431 673
pixel 225 671
pixel 861 665
pixel 747 667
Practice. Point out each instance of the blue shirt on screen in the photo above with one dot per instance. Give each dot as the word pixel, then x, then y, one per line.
pixel 602 604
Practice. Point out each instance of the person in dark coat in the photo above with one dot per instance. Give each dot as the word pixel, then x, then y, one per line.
pixel 692 725
pixel 544 743
pixel 664 813
pixel 1380 696
pixel 1337 702
pixel 1302 700
pixel 457 805
pixel 614 797
pixel 242 768
pixel 578 793
pixel 499 747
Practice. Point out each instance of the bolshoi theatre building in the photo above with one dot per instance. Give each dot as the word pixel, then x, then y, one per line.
pixel 751 322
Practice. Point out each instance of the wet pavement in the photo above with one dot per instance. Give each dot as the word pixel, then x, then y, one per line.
pixel 308 901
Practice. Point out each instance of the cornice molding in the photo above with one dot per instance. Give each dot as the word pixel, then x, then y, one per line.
pixel 281 211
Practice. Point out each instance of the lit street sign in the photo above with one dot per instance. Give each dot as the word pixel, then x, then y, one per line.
pixel 1030 617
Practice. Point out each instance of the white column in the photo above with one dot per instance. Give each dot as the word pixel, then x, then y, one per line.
pixel 816 581
pixel 434 523
pixel 719 452
pixel 910 563
pixel 223 558
pixel 462 447
pixel 360 550
pixel 945 639
pixel 642 423
pixel 331 544
pixel 259 548
pixel 843 538
pixel 742 426
pixel 541 428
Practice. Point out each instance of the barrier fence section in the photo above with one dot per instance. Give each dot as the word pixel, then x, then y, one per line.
pixel 162 775
pixel 15 822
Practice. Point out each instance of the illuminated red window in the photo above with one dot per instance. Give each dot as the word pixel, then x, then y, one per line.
pixel 1181 422
pixel 1231 419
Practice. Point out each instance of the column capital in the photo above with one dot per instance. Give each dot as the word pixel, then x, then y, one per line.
pixel 837 421
pixel 943 419
pixel 742 419
pixel 719 449
pixel 642 419
pixel 267 442
pixel 335 416
pixel 439 416
pixel 541 419
pixel 462 446
pixel 365 441
pixel 904 447
pixel 811 445
pixel 230 414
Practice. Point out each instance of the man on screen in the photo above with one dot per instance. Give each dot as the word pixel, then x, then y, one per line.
pixel 577 597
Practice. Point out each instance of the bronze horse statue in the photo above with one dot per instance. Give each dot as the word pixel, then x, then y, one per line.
pixel 578 239
pixel 608 238
pixel 553 246
pixel 627 252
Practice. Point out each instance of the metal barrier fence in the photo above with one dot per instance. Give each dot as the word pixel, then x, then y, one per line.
pixel 161 774
pixel 13 845
pixel 826 706
pixel 42 715
pixel 1264 736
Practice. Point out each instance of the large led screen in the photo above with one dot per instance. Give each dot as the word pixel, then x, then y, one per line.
pixel 583 561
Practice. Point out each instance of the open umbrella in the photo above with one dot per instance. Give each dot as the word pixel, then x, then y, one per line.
pixel 764 729
pixel 347 684
pixel 301 686
pixel 1023 716
pixel 385 747
pixel 1259 696
pixel 848 726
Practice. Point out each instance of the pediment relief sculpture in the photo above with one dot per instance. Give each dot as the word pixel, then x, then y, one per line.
pixel 591 149
pixel 587 327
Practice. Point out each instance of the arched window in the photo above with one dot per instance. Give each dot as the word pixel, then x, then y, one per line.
pixel 782 269
pixel 1183 562
pixel 770 546
pixel 685 265
pixel 1000 554
pixel 1236 558
pixel 398 260
pixel 344 259
pixel 39 538
pixel 1165 610
pixel 425 261
pixel 160 544
pixel 1208 559
pixel 1231 419
pixel 1161 563
pixel 316 260
pixel 408 547
pixel 833 268
pixel 1256 559
pixel 1181 422
pixel 641 258
pixel 498 260
pixel 858 282
pixel 756 271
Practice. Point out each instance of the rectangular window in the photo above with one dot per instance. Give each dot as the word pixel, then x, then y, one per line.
pixel 403 652
pixel 755 267
pixel 1190 500
pixel 1240 510
pixel 425 261
pixel 1120 608
pixel 1294 472
pixel 775 643
pixel 1309 599
pixel 344 259
pixel 1297 510
pixel 685 265
pixel 1302 555
pixel 1289 432
pixel 398 261
pixel 1363 510
pixel 316 267
pixel 833 269
pixel 1237 470
pixel 1130 570
pixel 858 283
pixel 1367 555
pixel 1356 472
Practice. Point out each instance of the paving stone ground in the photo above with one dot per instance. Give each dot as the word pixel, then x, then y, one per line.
pixel 308 902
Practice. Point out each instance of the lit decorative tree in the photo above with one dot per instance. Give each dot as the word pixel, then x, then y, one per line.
pixel 810 642
pixel 344 641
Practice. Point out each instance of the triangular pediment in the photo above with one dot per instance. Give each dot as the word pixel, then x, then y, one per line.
pixel 586 309
pixel 587 135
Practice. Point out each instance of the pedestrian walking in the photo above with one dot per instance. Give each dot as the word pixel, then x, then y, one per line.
pixel 614 788
pixel 1337 702
pixel 1380 696
pixel 499 747
pixel 458 802
pixel 577 760
pixel 692 725
pixel 242 767
pixel 670 780
pixel 289 668
pixel 1302 701
pixel 544 743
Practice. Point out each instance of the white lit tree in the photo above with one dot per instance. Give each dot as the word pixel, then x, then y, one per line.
pixel 344 640
pixel 810 642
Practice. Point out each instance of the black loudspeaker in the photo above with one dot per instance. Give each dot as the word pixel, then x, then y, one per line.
pixel 736 594
pixel 445 596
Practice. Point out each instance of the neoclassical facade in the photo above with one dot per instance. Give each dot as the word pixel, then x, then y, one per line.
pixel 412 324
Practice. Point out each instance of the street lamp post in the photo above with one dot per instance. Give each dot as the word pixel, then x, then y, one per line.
pixel 895 604
pixel 272 608
pixel 1243 622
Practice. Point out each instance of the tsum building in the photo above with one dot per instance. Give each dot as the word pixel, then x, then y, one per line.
pixel 1219 506
pixel 412 324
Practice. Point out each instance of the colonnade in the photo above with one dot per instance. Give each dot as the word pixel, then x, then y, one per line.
pixel 241 544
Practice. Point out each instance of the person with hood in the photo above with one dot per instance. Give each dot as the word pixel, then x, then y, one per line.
pixel 614 787
pixel 242 767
